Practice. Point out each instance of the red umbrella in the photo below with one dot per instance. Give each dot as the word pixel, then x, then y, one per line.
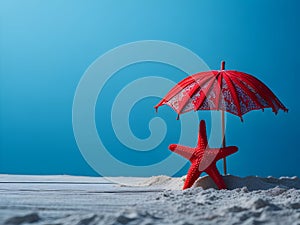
pixel 225 90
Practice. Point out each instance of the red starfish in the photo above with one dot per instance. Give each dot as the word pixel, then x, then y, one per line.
pixel 203 158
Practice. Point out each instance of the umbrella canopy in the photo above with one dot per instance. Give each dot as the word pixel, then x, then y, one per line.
pixel 226 90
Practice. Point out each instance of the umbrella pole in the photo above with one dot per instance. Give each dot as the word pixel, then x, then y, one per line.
pixel 224 141
pixel 223 128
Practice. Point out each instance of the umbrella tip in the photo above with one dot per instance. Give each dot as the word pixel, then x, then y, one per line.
pixel 222 65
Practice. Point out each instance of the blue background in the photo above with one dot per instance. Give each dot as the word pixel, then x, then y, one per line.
pixel 45 47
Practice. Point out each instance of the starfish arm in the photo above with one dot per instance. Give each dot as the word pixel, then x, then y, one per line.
pixel 192 176
pixel 224 152
pixel 202 137
pixel 184 151
pixel 213 172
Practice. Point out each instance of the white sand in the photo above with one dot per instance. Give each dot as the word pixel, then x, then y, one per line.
pixel 72 200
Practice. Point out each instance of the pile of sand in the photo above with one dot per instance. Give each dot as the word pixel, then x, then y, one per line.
pixel 251 182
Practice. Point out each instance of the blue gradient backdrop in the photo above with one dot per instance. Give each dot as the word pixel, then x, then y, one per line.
pixel 45 47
